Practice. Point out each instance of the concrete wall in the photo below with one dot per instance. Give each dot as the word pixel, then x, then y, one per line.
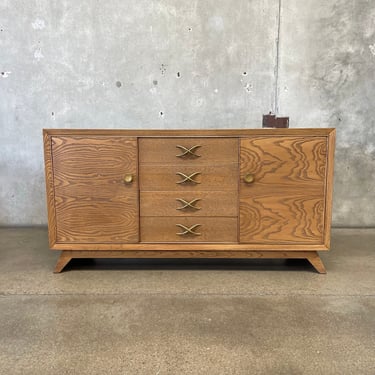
pixel 185 64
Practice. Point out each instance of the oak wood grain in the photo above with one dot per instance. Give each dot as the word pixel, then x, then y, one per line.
pixel 188 254
pixel 235 246
pixel 50 193
pixel 217 177
pixel 286 202
pixel 329 188
pixel 281 218
pixel 157 133
pixel 164 229
pixel 316 262
pixel 212 151
pixel 63 260
pixel 293 171
pixel 92 202
pixel 284 160
pixel 210 203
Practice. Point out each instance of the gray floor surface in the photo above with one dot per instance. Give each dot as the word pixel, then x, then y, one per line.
pixel 186 316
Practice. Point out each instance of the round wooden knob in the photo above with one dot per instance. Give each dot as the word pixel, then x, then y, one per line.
pixel 128 178
pixel 249 178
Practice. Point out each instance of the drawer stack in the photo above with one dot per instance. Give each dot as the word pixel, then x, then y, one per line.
pixel 188 189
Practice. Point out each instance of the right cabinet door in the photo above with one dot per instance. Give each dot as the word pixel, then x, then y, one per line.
pixel 282 189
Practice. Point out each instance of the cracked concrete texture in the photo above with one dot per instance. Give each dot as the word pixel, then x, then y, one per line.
pixel 191 64
pixel 137 64
pixel 186 316
pixel 326 79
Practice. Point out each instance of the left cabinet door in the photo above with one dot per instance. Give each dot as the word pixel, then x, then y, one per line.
pixel 95 186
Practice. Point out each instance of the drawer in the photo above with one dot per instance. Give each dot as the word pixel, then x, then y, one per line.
pixel 165 229
pixel 188 178
pixel 189 203
pixel 188 150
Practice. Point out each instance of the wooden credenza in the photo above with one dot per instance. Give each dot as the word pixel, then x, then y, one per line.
pixel 260 193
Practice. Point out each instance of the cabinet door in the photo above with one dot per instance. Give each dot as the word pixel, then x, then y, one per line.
pixel 93 203
pixel 283 200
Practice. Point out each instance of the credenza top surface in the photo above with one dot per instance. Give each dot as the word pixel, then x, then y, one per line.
pixel 191 132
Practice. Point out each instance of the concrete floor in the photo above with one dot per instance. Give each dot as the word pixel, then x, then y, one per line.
pixel 186 316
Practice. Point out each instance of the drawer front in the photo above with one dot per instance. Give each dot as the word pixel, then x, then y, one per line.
pixel 188 189
pixel 188 178
pixel 188 229
pixel 190 150
pixel 189 203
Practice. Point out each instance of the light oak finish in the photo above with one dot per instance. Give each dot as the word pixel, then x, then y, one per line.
pixel 209 178
pixel 316 262
pixel 287 217
pixel 207 203
pixel 141 246
pixel 285 161
pixel 50 191
pixel 177 166
pixel 92 201
pixel 64 259
pixel 211 151
pixel 285 202
pixel 328 193
pixel 211 229
pixel 101 205
pixel 156 133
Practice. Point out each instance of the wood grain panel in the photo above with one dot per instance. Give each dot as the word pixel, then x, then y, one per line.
pixel 329 188
pixel 165 203
pixel 211 178
pixel 309 132
pixel 284 160
pixel 282 218
pixel 289 202
pixel 50 193
pixel 286 202
pixel 92 202
pixel 211 151
pixel 190 246
pixel 191 253
pixel 164 229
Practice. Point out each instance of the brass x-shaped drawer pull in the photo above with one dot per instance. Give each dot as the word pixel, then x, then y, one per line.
pixel 186 204
pixel 186 230
pixel 188 151
pixel 188 178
